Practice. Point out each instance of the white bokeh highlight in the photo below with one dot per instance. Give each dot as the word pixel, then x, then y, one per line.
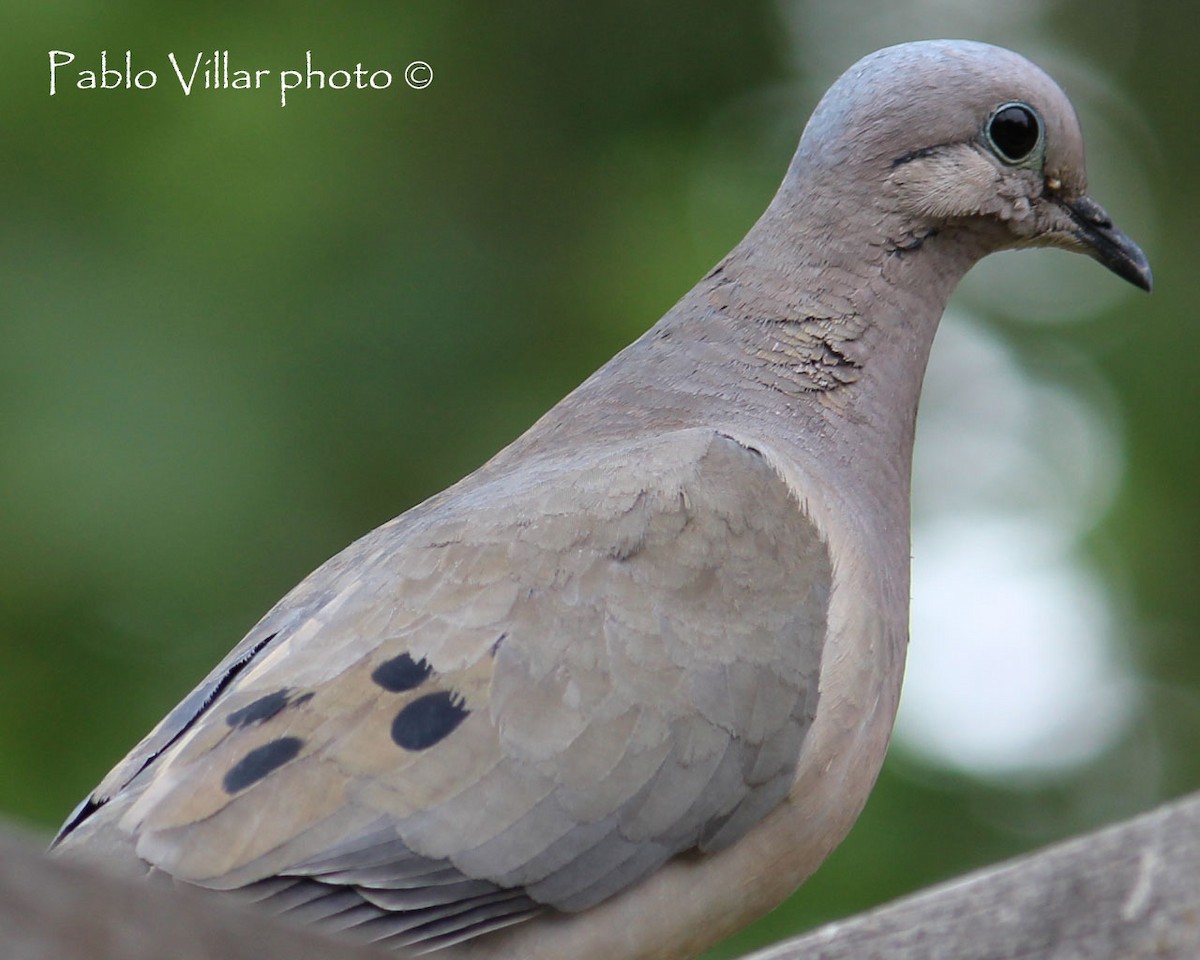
pixel 1013 668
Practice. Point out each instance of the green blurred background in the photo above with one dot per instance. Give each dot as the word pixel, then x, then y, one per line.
pixel 234 336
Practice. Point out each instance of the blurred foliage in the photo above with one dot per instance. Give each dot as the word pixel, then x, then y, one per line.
pixel 236 336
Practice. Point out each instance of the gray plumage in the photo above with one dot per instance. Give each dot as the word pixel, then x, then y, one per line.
pixel 624 687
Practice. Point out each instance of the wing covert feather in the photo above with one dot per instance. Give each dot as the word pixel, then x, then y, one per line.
pixel 550 679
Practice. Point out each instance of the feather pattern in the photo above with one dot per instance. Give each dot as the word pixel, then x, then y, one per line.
pixel 520 696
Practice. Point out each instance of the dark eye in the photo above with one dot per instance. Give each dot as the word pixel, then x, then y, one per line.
pixel 1014 132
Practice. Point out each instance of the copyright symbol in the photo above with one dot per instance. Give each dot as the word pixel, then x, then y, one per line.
pixel 418 74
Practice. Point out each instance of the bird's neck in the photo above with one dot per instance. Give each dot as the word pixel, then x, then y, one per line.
pixel 808 334
pixel 828 326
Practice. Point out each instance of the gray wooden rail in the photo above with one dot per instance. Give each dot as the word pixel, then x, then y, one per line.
pixel 1127 892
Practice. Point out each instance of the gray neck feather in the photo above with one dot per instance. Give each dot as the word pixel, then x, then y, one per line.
pixel 810 321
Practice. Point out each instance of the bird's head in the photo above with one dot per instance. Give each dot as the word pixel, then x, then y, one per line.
pixel 952 133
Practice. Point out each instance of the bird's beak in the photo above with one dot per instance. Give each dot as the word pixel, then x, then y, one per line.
pixel 1093 229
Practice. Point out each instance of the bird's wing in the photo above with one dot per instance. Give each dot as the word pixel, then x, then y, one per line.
pixel 532 691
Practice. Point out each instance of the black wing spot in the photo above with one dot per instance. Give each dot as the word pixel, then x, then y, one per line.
pixel 261 761
pixel 174 725
pixel 264 708
pixel 401 673
pixel 428 720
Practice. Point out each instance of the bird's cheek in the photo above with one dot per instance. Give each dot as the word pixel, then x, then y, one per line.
pixel 1050 227
pixel 1013 204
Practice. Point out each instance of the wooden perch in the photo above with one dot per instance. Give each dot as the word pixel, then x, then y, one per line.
pixel 1130 891
pixel 1123 893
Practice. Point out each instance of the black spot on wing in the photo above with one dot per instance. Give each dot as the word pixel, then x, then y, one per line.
pixel 427 720
pixel 401 673
pixel 264 708
pixel 173 726
pixel 261 761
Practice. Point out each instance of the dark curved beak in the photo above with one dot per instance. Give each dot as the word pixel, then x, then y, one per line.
pixel 1094 229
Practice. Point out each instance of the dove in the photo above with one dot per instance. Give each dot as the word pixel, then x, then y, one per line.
pixel 622 689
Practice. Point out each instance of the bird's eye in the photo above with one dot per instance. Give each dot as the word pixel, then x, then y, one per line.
pixel 1014 132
